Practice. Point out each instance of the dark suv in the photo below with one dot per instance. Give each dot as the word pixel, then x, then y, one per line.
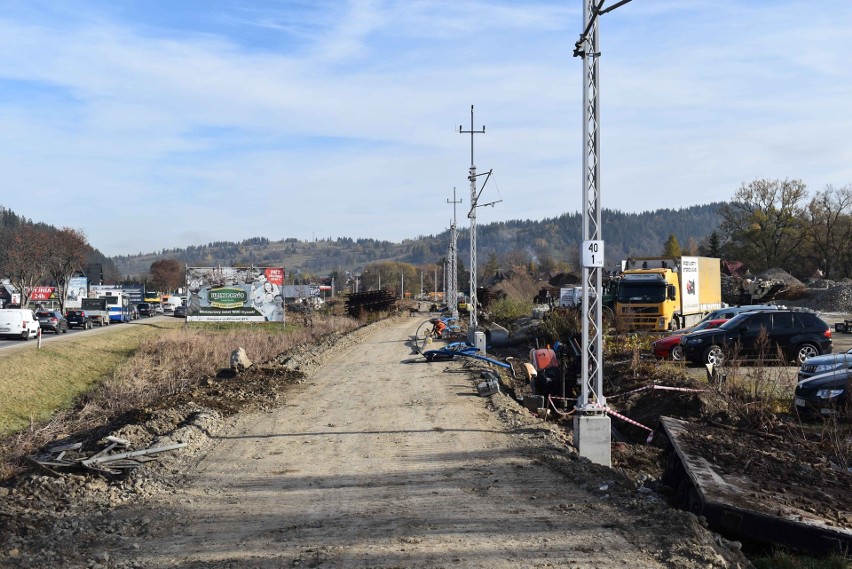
pixel 145 309
pixel 78 318
pixel 798 335
pixel 52 320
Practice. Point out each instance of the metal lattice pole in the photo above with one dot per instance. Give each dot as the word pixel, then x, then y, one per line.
pixel 454 275
pixel 472 326
pixel 592 371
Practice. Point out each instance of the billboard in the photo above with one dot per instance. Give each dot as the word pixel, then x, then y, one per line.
pixel 235 294
pixel 42 293
pixel 132 292
pixel 76 291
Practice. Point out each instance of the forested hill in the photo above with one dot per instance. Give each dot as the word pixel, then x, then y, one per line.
pixel 10 222
pixel 556 239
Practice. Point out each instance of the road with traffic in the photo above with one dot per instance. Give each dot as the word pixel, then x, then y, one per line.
pixel 10 345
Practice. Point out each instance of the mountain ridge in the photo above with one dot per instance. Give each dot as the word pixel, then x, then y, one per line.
pixel 554 239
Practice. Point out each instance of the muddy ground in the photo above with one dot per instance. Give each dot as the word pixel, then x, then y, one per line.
pixel 435 477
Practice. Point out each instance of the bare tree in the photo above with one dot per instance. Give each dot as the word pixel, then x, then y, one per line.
pixel 25 256
pixel 764 222
pixel 67 255
pixel 167 274
pixel 829 228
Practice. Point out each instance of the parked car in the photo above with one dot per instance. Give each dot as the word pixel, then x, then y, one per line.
pixel 52 320
pixel 18 323
pixel 78 318
pixel 822 364
pixel 145 309
pixel 730 311
pixel 824 394
pixel 180 311
pixel 798 334
pixel 669 347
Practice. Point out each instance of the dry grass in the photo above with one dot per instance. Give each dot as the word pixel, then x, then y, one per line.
pixel 97 378
pixel 35 383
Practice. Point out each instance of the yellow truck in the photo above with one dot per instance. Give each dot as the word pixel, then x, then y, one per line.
pixel 659 294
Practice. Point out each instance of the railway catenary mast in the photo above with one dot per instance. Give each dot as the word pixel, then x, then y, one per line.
pixel 472 326
pixel 591 424
pixel 453 293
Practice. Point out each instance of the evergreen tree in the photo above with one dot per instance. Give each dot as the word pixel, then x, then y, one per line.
pixel 672 247
pixel 491 267
pixel 714 246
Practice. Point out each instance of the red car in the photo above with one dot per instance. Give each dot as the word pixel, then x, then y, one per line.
pixel 669 347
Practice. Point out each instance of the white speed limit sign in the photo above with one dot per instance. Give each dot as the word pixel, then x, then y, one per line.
pixel 593 254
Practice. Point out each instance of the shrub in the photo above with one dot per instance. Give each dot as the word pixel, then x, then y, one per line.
pixel 507 310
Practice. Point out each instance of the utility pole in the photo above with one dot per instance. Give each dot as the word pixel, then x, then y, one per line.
pixel 435 285
pixel 401 285
pixel 472 326
pixel 592 435
pixel 444 280
pixel 454 275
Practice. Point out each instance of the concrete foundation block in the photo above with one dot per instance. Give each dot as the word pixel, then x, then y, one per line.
pixel 593 438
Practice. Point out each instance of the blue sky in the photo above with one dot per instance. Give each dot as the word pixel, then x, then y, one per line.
pixel 157 124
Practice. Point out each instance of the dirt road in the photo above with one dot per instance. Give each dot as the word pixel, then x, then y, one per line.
pixel 377 462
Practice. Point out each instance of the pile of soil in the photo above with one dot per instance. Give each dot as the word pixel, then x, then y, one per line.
pixel 790 474
pixel 794 469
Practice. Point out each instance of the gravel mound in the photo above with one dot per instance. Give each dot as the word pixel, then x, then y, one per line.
pixel 835 299
pixel 776 274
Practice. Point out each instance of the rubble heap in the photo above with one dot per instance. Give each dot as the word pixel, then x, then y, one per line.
pixel 836 298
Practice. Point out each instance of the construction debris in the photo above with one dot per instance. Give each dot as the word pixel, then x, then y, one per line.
pixel 103 461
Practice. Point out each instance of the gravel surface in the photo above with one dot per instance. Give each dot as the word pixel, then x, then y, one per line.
pixel 347 455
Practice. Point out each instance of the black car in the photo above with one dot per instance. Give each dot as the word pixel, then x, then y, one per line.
pixel 824 394
pixel 798 334
pixel 78 318
pixel 52 320
pixel 180 311
pixel 145 309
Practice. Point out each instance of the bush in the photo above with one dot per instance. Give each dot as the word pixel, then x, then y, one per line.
pixel 505 311
pixel 560 324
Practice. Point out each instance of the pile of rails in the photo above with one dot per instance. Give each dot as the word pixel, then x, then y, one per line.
pixel 370 301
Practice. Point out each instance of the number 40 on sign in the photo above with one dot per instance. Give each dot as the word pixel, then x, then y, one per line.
pixel 593 254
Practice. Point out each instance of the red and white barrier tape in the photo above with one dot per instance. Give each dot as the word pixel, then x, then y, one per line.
pixel 609 411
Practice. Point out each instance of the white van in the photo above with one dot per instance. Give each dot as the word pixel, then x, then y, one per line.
pixel 170 302
pixel 18 323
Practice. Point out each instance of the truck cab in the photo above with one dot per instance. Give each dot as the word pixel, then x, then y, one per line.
pixel 662 294
pixel 647 299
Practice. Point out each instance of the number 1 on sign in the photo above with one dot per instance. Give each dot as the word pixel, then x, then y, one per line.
pixel 593 254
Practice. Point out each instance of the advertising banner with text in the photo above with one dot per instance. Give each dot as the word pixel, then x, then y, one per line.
pixel 235 294
pixel 76 292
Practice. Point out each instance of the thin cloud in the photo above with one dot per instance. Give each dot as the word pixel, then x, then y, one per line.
pixel 333 118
